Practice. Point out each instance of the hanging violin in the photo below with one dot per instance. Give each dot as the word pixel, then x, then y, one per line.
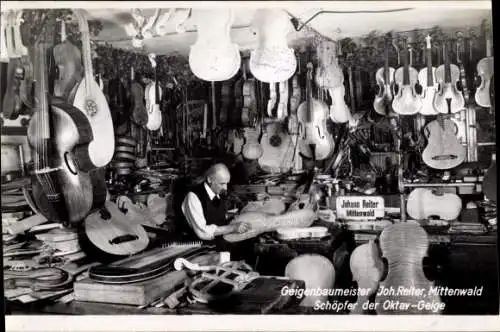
pixel 59 135
pixel 315 142
pixel 385 82
pixel 485 68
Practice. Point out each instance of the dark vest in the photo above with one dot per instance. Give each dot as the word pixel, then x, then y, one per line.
pixel 215 213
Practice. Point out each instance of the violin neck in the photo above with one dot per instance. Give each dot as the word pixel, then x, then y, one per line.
pixel 406 67
pixel 387 75
pixel 41 90
pixel 430 78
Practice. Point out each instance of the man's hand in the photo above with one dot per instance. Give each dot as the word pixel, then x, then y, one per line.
pixel 242 227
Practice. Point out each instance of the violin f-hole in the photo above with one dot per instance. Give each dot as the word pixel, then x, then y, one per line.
pixel 68 160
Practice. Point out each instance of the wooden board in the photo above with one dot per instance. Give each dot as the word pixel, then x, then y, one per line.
pixel 138 293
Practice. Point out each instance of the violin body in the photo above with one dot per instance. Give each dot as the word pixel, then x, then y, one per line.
pixel 153 107
pixel 429 92
pixel 314 131
pixel 71 135
pixel 404 246
pixel 485 69
pixel 383 100
pixel 424 203
pixel 448 90
pixel 339 111
pixel 214 57
pixel 443 150
pixel 272 61
pixel 406 101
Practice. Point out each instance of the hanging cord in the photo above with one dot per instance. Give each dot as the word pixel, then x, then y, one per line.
pixel 295 20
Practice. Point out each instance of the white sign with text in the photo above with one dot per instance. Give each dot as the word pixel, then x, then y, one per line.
pixel 360 207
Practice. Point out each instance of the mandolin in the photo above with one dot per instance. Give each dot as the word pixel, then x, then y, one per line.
pixel 111 231
pixel 315 142
pixel 90 100
pixel 68 59
pixel 404 246
pixel 153 98
pixel 443 150
pixel 448 98
pixel 58 134
pixel 424 203
pixel 485 69
pixel 406 101
pixel 426 78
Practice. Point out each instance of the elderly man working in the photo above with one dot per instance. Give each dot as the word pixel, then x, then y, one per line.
pixel 205 209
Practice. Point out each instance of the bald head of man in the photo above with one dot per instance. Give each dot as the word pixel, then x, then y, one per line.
pixel 217 178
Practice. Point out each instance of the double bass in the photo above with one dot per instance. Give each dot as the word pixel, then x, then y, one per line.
pixel 315 142
pixel 59 134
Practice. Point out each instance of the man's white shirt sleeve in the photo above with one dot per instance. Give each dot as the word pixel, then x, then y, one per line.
pixel 193 211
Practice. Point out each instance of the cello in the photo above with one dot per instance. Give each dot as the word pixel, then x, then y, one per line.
pixel 315 142
pixel 58 134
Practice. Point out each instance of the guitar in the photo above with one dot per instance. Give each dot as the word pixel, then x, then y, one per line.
pixel 485 69
pixel 153 98
pixel 448 99
pixel 111 231
pixel 406 101
pixel 68 59
pixel 12 104
pixel 423 203
pixel 426 78
pixel 275 143
pixel 252 149
pixel 90 100
pixel 443 150
pixel 25 72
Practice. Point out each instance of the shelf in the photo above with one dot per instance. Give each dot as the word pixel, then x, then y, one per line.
pixel 435 185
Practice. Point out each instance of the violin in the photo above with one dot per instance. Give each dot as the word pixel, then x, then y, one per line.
pixel 406 101
pixel 385 82
pixel 461 67
pixel 426 78
pixel 59 135
pixel 153 98
pixel 249 110
pixel 485 68
pixel 67 58
pixel 272 61
pixel 448 99
pixel 25 71
pixel 315 142
pixel 403 246
pixel 214 57
pixel 12 103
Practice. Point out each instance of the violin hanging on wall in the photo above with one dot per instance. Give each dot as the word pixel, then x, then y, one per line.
pixel 385 81
pixel 427 79
pixel 406 101
pixel 153 98
pixel 315 142
pixel 485 69
pixel 448 99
